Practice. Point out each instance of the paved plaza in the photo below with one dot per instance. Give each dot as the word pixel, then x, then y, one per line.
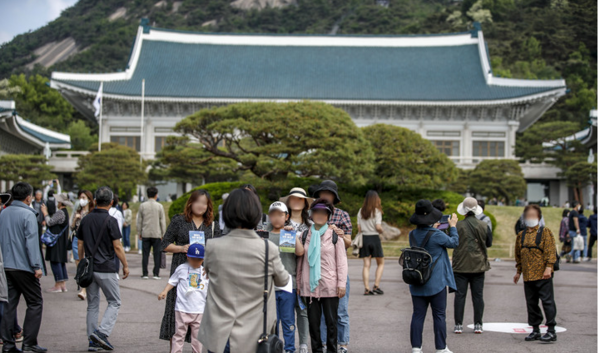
pixel 378 323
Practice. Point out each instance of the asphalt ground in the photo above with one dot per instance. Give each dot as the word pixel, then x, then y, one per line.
pixel 378 323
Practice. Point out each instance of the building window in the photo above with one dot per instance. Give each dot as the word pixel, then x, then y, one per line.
pixel 129 141
pixel 488 148
pixel 124 129
pixel 449 148
pixel 159 143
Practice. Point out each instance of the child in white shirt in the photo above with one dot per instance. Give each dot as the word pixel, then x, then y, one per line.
pixel 192 287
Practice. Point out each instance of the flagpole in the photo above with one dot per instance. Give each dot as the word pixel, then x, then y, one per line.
pixel 142 121
pixel 100 121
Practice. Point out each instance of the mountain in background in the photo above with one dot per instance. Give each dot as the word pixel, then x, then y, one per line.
pixel 541 39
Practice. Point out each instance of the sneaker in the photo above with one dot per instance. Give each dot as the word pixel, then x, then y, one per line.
pixel 478 328
pixel 445 350
pixel 139 252
pixel 19 336
pixel 144 277
pixel 303 348
pixel 156 277
pixel 534 336
pixel 342 350
pixel 458 329
pixel 94 347
pixel 82 295
pixel 377 290
pixel 102 340
pixel 588 259
pixel 549 337
pixel 417 350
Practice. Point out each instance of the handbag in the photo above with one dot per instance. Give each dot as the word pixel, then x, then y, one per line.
pixel 85 269
pixel 268 343
pixel 357 243
pixel 578 243
pixel 50 238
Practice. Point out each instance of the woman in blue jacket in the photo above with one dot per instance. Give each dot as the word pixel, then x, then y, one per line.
pixel 434 291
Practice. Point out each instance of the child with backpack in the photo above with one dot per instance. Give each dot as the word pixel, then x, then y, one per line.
pixel 321 275
pixel 285 301
pixel 192 287
pixel 428 283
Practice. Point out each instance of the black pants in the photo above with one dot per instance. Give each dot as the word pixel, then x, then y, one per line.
pixel 22 283
pixel 438 311
pixel 463 280
pixel 329 308
pixel 534 292
pixel 153 243
pixel 593 239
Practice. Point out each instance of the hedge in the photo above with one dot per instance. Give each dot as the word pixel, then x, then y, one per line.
pixel 397 204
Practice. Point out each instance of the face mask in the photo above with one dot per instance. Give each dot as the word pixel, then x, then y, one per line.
pixel 531 222
pixel 83 202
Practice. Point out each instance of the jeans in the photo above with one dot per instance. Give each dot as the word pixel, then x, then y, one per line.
pixel 343 325
pixel 126 233
pixel 75 249
pixel 153 243
pixel 22 283
pixel 534 292
pixel 59 269
pixel 593 239
pixel 17 328
pixel 302 323
pixel 109 284
pixel 576 253
pixel 438 310
pixel 317 308
pixel 463 280
pixel 286 302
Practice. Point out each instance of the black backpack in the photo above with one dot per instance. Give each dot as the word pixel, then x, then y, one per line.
pixel 417 262
pixel 334 237
pixel 85 268
pixel 538 241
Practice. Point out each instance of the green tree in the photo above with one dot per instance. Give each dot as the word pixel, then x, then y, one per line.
pixel 40 104
pixel 499 178
pixel 580 175
pixel 115 166
pixel 553 143
pixel 81 135
pixel 405 159
pixel 185 162
pixel 461 184
pixel 272 140
pixel 23 167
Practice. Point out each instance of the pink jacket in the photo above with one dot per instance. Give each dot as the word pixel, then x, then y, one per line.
pixel 334 268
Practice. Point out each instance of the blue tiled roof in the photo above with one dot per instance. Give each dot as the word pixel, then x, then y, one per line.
pixel 42 137
pixel 440 73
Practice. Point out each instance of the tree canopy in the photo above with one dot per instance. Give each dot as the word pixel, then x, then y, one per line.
pixel 274 139
pixel 115 166
pixel 407 160
pixel 499 178
pixel 23 167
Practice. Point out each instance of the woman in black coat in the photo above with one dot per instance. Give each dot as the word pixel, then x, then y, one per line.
pixel 58 223
pixel 197 216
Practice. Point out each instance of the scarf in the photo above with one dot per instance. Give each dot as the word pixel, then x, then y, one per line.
pixel 314 255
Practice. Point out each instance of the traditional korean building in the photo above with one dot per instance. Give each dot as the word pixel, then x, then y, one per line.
pixel 440 86
pixel 19 136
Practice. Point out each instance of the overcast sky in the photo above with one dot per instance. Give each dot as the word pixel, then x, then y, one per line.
pixel 20 16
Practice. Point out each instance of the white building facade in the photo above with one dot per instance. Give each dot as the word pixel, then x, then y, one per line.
pixel 440 86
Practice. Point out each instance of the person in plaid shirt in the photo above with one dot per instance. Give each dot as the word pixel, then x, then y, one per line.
pixel 341 219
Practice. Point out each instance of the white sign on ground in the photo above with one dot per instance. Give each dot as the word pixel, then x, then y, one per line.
pixel 513 327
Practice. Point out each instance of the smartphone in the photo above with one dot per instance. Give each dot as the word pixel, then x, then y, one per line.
pixel 444 218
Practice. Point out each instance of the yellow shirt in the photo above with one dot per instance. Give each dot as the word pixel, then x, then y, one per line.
pixel 532 262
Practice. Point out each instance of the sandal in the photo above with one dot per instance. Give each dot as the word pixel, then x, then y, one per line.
pixel 368 292
pixel 377 290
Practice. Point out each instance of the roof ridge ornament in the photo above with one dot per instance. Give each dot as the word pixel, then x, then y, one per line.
pixel 145 23
pixel 476 28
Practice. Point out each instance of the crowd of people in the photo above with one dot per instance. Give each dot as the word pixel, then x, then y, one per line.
pixel 212 298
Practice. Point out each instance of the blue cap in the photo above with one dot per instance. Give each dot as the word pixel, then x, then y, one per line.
pixel 196 251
